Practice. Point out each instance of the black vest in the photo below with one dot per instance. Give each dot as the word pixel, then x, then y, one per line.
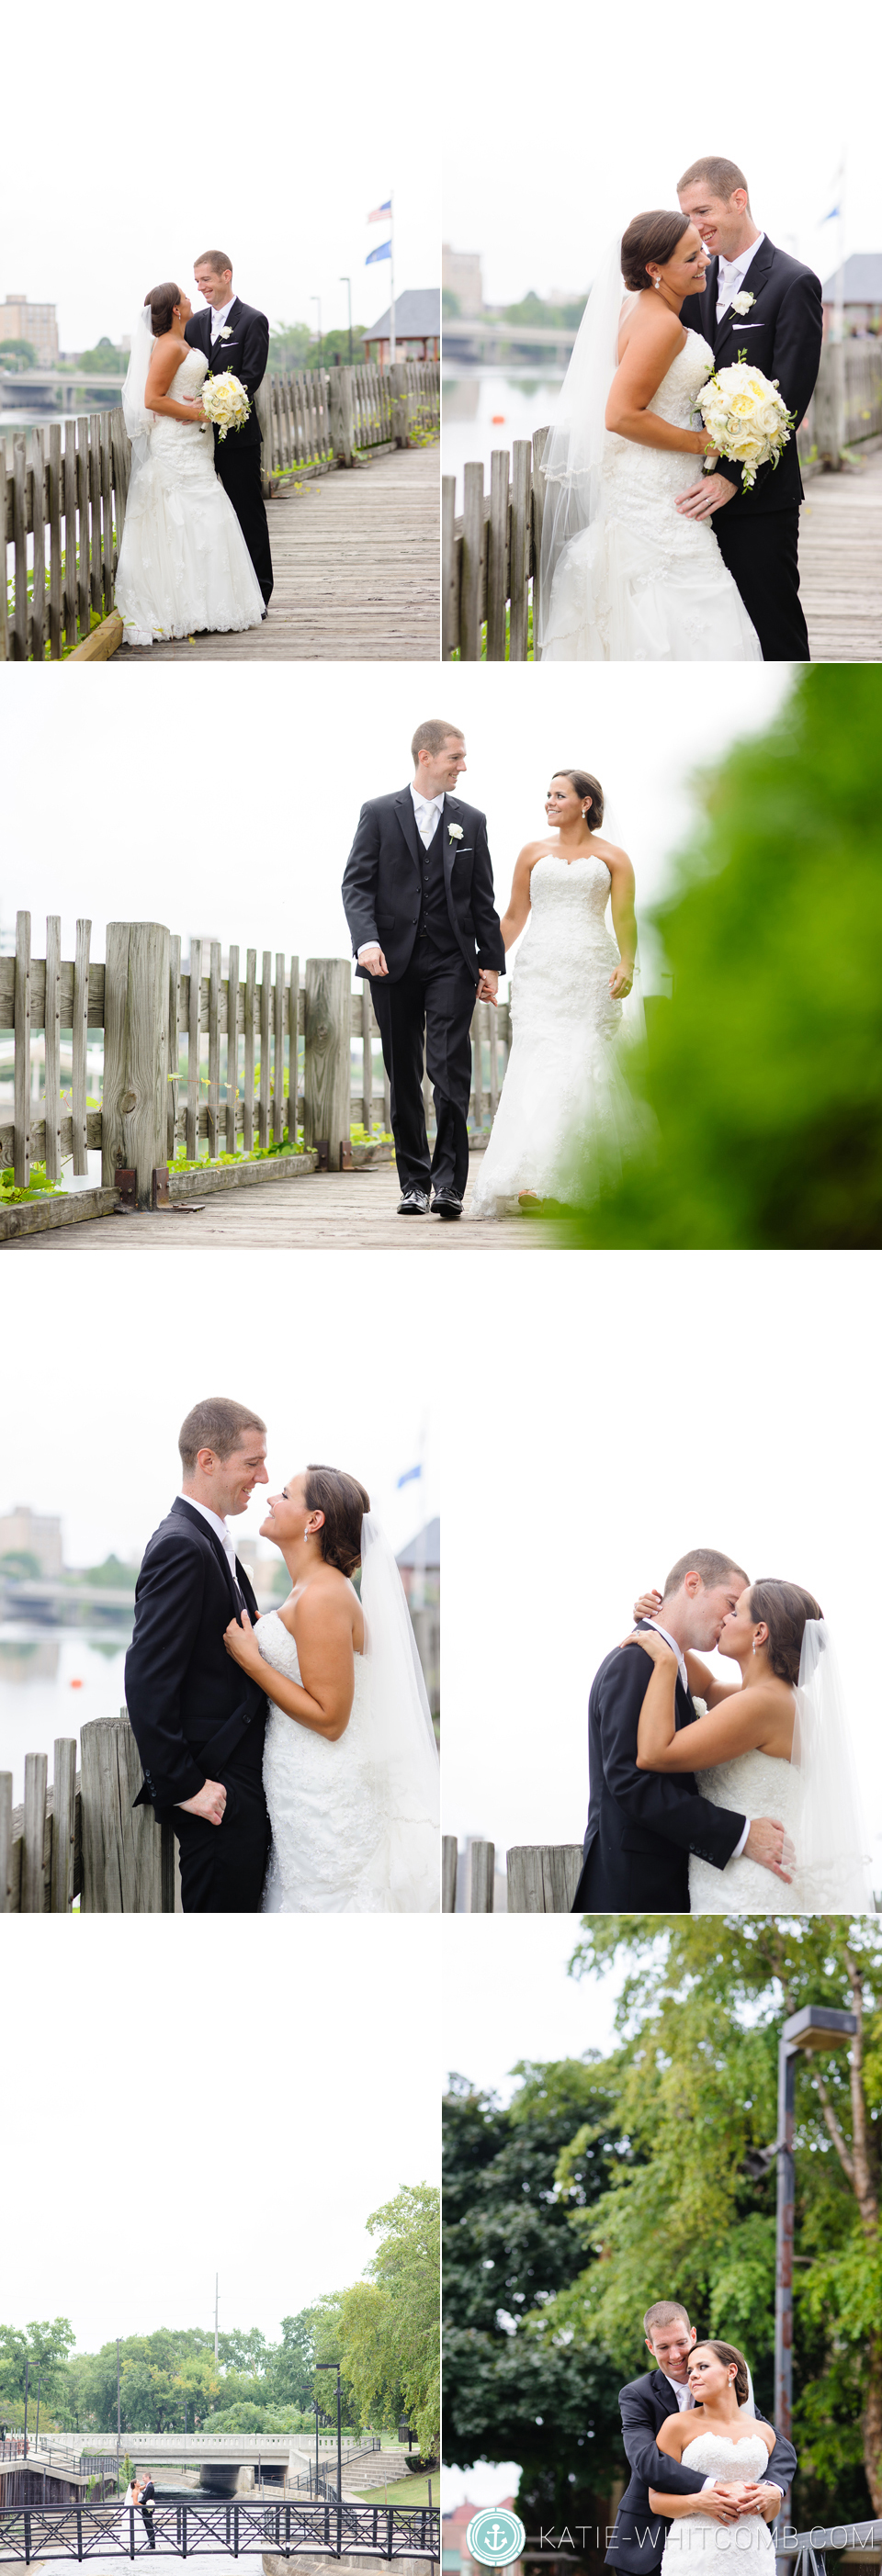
pixel 434 920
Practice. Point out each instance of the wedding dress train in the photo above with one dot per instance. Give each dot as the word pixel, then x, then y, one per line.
pixel 564 1096
pixel 692 2547
pixel 184 567
pixel 641 583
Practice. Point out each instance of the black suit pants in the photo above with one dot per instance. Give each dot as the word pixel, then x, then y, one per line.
pixel 762 556
pixel 223 1867
pixel 239 471
pixel 147 2518
pixel 435 995
pixel 628 1882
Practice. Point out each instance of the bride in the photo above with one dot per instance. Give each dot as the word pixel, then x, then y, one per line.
pixel 778 1745
pixel 727 2443
pixel 350 1765
pixel 624 575
pixel 564 1098
pixel 184 567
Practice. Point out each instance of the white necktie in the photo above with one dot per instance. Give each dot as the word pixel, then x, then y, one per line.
pixel 427 824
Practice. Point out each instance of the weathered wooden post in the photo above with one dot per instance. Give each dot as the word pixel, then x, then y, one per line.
pixel 449 1859
pixel 543 1877
pixel 63 1820
pixel 22 1061
pixel 449 572
pixel 263 404
pixel 136 988
pixel 5 1841
pixel 400 404
pixel 128 1859
pixel 340 414
pixel 34 1835
pixel 829 404
pixel 470 579
pixel 327 1078
pixel 540 437
pixel 482 1877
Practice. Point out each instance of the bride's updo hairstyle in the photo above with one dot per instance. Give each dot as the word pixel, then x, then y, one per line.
pixel 162 301
pixel 727 2353
pixel 344 1503
pixel 648 237
pixel 785 1609
pixel 585 785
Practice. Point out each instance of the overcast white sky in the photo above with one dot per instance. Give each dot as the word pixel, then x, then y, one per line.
pixel 619 103
pixel 636 1405
pixel 271 139
pixel 80 792
pixel 236 2115
pixel 334 1359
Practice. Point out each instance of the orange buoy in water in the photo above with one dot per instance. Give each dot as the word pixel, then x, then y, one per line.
pixel 76 1686
pixel 498 419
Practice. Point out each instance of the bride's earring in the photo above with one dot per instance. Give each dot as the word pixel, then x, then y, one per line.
pixel 656 281
pixel 754 1645
pixel 307 1532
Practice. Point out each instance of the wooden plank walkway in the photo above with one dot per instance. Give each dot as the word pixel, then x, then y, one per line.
pixel 332 1211
pixel 840 563
pixel 356 557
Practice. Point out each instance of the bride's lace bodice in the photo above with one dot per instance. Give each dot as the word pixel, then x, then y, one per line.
pixel 565 960
pixel 325 1815
pixel 190 377
pixel 694 2538
pixel 754 1784
pixel 645 478
pixel 183 449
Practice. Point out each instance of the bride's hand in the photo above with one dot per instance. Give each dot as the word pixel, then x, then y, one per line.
pixel 648 1606
pixel 653 1645
pixel 241 1643
pixel 621 979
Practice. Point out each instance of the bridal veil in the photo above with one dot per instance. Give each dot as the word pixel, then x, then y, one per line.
pixel 399 1736
pixel 833 1864
pixel 575 445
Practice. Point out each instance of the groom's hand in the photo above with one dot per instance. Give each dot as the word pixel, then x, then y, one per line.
pixel 700 499
pixel 721 2502
pixel 488 980
pixel 209 1802
pixel 765 1843
pixel 373 960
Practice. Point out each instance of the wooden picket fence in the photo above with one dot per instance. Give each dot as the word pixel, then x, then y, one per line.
pixel 490 557
pixel 541 1878
pixel 278 1063
pixel 83 1837
pixel 65 494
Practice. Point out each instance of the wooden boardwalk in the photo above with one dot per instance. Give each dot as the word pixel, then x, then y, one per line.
pixel 332 1211
pixel 840 563
pixel 356 557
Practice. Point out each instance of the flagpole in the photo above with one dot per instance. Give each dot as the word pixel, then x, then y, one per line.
pixel 391 282
pixel 840 273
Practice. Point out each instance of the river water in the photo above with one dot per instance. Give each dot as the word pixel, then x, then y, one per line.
pixel 481 410
pixel 51 1681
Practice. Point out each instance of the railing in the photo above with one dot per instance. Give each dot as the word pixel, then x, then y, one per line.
pixel 541 1878
pixel 159 1093
pixel 181 2530
pixel 490 557
pixel 172 2446
pixel 857 2543
pixel 71 497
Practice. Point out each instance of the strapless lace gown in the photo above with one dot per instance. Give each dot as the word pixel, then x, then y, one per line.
pixel 698 2546
pixel 643 584
pixel 564 1094
pixel 335 1849
pixel 184 567
pixel 754 1784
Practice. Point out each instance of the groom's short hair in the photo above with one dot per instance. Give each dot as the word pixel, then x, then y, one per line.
pixel 706 1561
pixel 217 1423
pixel 665 2313
pixel 432 737
pixel 219 260
pixel 723 177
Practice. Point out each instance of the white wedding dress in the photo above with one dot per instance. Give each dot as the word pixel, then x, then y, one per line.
pixel 693 2545
pixel 184 567
pixel 642 583
pixel 754 1784
pixel 335 1846
pixel 564 1095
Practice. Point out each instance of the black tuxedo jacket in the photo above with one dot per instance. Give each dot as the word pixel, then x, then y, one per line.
pixel 193 1712
pixel 245 353
pixel 638 2538
pixel 383 881
pixel 782 334
pixel 642 1825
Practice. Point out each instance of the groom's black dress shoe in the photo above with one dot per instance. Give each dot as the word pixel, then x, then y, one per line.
pixel 413 1203
pixel 446 1203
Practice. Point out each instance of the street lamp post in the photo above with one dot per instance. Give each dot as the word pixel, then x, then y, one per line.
pixel 316 2411
pixel 334 2365
pixel 347 282
pixel 815 2027
pixel 117 2415
pixel 27 2376
pixel 37 2431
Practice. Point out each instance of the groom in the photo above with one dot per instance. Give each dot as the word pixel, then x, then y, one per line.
pixel 759 302
pixel 642 1825
pixel 232 334
pixel 638 2542
pixel 418 898
pixel 197 1719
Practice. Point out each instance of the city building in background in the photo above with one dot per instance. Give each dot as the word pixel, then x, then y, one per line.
pixel 461 280
pixel 31 1541
pixel 37 323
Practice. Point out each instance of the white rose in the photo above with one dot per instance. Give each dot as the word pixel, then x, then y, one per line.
pixel 454 831
pixel 742 303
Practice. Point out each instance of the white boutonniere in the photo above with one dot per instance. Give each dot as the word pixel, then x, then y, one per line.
pixel 742 303
pixel 699 1705
pixel 454 831
pixel 226 333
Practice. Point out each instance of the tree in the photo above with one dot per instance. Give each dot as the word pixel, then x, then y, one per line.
pixel 692 2217
pixel 511 2390
pixel 15 354
pixel 389 2324
pixel 41 2349
pixel 294 2362
pixel 764 1073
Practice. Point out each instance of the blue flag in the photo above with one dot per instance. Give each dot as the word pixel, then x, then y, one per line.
pixel 383 251
pixel 408 1477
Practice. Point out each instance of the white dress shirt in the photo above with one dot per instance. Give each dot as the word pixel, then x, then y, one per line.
pixel 732 273
pixel 427 811
pixel 739 1847
pixel 218 324
pixel 220 1530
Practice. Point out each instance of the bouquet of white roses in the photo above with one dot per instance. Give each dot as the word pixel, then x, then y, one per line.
pixel 746 417
pixel 225 402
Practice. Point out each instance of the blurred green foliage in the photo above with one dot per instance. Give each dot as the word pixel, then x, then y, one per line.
pixel 764 1070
